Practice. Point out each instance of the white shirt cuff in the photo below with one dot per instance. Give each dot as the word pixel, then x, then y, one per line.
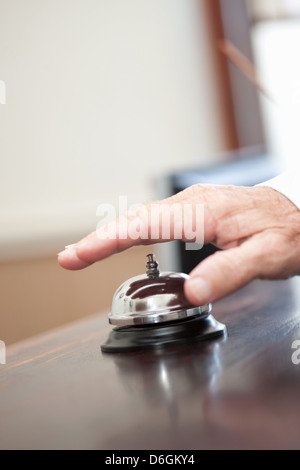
pixel 287 184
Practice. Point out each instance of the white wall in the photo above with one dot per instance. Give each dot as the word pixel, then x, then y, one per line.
pixel 277 51
pixel 101 97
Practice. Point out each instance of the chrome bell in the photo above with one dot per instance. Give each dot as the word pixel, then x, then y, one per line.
pixel 150 311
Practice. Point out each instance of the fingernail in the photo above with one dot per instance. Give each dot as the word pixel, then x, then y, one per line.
pixel 200 289
pixel 66 250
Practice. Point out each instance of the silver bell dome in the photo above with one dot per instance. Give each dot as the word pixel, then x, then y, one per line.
pixel 153 298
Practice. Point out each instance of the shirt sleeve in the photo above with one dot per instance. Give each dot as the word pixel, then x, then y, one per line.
pixel 288 184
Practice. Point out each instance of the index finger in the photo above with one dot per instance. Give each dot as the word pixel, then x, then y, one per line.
pixel 157 222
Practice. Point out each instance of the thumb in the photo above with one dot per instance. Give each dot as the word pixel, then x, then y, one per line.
pixel 223 273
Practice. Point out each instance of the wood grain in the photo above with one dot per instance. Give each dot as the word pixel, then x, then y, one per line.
pixel 58 391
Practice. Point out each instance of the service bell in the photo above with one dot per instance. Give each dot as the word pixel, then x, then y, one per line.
pixel 150 311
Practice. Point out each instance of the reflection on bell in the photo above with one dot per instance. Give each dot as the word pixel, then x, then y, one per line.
pixel 151 312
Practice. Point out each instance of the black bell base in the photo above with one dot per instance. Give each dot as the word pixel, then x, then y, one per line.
pixel 137 338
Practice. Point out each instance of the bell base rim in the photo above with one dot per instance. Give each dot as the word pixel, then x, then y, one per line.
pixel 156 337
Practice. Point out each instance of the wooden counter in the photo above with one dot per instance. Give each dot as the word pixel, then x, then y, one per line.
pixel 58 391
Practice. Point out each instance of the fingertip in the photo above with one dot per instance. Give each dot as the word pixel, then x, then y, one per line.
pixel 198 291
pixel 69 259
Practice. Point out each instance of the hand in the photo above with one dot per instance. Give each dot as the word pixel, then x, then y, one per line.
pixel 257 228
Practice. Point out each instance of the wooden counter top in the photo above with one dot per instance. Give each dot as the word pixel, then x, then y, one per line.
pixel 58 391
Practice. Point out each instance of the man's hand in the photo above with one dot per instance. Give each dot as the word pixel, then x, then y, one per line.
pixel 258 230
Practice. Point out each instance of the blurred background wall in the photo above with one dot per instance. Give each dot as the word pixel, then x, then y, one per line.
pixel 276 39
pixel 102 97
